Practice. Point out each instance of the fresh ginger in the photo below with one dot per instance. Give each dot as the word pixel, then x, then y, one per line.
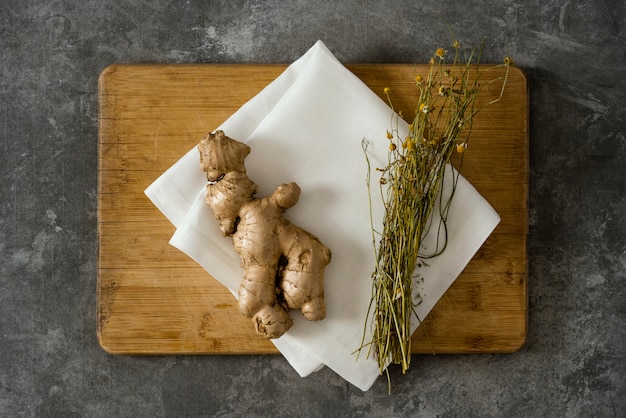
pixel 283 264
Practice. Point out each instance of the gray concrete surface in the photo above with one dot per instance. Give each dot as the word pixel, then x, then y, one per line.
pixel 51 53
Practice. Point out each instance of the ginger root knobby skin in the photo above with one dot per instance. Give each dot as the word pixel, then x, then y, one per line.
pixel 283 264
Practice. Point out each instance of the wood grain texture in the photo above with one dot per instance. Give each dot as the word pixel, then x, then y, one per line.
pixel 153 299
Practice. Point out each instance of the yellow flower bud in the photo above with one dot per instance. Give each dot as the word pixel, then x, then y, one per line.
pixel 440 52
pixel 386 90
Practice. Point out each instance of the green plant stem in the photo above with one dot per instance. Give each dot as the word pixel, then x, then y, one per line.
pixel 411 185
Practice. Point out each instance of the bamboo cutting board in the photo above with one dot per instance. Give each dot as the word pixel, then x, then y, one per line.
pixel 153 299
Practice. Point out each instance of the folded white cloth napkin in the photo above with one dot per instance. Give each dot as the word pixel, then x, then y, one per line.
pixel 307 126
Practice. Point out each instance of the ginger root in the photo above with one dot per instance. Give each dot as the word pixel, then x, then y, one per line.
pixel 283 264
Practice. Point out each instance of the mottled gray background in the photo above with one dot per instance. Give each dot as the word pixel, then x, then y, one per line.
pixel 51 53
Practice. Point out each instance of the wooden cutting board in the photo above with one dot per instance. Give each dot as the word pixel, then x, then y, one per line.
pixel 153 299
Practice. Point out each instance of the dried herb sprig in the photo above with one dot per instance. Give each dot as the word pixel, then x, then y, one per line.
pixel 410 185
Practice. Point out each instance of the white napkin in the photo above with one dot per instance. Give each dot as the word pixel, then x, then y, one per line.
pixel 307 126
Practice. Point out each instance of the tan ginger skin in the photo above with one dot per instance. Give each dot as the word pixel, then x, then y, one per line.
pixel 284 264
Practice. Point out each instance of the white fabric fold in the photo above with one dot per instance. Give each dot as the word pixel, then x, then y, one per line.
pixel 307 126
